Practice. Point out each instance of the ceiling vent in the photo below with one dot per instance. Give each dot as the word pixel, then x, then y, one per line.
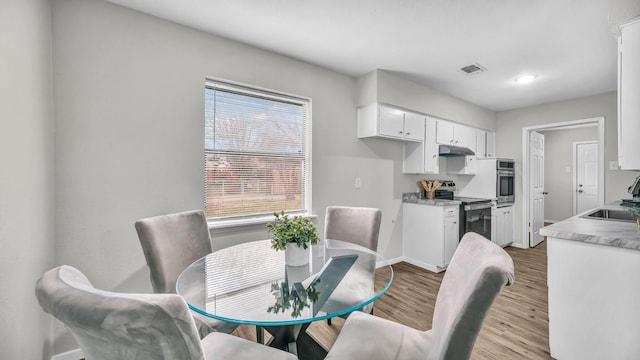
pixel 472 69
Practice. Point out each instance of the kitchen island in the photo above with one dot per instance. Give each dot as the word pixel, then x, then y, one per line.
pixel 594 293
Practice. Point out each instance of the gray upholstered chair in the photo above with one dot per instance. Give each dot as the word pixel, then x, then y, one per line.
pixel 360 226
pixel 171 243
pixel 110 325
pixel 478 271
pixel 357 225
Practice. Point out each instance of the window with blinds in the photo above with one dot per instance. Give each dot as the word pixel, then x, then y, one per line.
pixel 257 146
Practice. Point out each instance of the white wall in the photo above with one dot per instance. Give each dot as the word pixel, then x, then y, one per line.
pixel 26 176
pixel 558 183
pixel 509 140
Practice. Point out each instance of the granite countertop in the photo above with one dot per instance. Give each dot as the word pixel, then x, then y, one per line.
pixel 621 234
pixel 415 198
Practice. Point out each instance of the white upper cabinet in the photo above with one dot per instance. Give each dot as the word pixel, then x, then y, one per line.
pixel 485 144
pixel 444 132
pixel 413 126
pixel 390 122
pixel 490 144
pixel 422 157
pixel 377 120
pixel 628 95
pixel 481 144
pixel 450 133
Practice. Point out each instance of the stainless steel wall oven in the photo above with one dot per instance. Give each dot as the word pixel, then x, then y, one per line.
pixel 505 187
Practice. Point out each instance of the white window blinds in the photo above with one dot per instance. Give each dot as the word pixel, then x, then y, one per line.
pixel 256 151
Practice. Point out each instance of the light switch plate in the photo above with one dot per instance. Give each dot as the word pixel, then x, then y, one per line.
pixel 613 165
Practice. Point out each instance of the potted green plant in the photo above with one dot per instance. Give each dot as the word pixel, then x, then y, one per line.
pixel 293 235
pixel 636 212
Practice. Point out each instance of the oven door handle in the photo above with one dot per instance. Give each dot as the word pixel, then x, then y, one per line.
pixel 477 207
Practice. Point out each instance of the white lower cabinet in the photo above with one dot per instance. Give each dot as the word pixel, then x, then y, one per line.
pixel 429 235
pixel 593 300
pixel 502 225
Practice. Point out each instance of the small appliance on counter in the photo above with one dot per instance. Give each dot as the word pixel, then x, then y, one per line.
pixel 444 191
pixel 634 190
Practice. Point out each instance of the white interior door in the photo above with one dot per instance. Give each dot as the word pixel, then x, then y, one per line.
pixel 586 180
pixel 536 174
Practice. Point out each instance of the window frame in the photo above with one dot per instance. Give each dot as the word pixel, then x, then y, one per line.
pixel 275 95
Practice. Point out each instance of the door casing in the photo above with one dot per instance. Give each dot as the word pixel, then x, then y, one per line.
pixel 525 193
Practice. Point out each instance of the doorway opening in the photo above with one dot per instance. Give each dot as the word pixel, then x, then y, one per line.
pixel 530 217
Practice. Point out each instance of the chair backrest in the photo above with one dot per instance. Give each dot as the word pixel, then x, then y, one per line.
pixel 357 225
pixel 477 272
pixel 171 243
pixel 111 325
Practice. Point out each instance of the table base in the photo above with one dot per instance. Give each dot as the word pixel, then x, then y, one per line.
pixel 307 348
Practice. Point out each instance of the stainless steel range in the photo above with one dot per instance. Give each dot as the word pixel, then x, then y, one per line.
pixel 475 213
pixel 475 216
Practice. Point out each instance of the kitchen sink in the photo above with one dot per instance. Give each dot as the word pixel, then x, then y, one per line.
pixel 610 214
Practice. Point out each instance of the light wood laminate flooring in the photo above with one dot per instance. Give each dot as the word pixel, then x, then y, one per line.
pixel 516 327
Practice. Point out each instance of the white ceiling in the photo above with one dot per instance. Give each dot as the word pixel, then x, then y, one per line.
pixel 567 43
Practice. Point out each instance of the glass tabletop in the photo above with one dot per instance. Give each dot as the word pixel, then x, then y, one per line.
pixel 250 283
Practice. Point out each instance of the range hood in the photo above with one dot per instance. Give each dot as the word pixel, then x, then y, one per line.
pixel 451 150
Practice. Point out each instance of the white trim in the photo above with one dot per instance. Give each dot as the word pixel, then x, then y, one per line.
pixel 388 262
pixel 75 354
pixel 525 166
pixel 423 265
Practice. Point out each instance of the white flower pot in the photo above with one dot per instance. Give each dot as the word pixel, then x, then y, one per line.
pixel 296 256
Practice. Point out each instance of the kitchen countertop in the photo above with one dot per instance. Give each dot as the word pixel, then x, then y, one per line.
pixel 602 232
pixel 414 198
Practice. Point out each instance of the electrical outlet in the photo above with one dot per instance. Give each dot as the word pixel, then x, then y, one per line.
pixel 613 165
pixel 358 183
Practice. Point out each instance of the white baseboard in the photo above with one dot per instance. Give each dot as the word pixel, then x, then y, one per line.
pixel 386 262
pixel 423 265
pixel 69 355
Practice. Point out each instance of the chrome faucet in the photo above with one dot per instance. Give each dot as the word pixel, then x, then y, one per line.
pixel 635 188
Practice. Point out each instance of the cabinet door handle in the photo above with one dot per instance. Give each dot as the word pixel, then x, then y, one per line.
pixel 408 133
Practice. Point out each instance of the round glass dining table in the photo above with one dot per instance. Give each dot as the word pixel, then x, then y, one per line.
pixel 251 284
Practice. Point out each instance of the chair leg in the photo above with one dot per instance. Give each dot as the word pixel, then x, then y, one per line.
pixel 329 321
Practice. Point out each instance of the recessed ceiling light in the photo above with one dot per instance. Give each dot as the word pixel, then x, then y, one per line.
pixel 525 79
